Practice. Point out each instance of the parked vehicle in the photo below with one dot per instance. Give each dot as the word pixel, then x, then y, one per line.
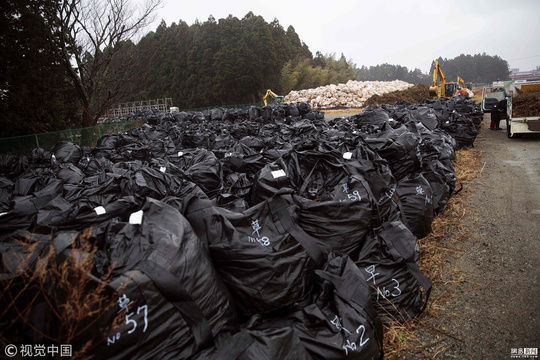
pixel 491 95
pixel 523 114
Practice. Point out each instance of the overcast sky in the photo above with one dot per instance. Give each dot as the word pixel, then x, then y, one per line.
pixel 410 33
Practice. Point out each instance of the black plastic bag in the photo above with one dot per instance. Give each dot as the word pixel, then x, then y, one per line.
pixel 426 116
pixel 67 152
pixel 94 166
pixel 389 260
pixel 442 179
pixel 23 212
pixel 399 147
pixel 61 214
pixel 382 184
pixel 254 113
pixel 416 198
pixel 37 158
pixel 263 256
pixel 267 182
pixel 217 114
pixel 248 164
pixel 143 181
pixel 223 141
pixel 462 129
pixel 10 166
pixel 371 120
pixel 340 322
pixel 261 339
pixel 343 222
pixel 311 173
pixel 70 174
pixel 237 185
pixel 169 299
pixel 201 167
pixel 6 193
pixel 19 253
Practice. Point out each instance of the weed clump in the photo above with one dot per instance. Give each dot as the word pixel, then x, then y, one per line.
pixel 52 296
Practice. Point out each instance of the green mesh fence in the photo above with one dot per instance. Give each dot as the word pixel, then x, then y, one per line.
pixel 84 137
pixel 236 106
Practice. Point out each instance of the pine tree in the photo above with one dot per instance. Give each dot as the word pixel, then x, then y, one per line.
pixel 34 94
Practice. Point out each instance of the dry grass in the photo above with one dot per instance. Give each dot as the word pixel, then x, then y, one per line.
pixel 61 288
pixel 342 110
pixel 436 248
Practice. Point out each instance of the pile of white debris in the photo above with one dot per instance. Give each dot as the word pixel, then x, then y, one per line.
pixel 353 94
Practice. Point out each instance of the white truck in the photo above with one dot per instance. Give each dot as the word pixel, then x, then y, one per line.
pixel 491 95
pixel 523 117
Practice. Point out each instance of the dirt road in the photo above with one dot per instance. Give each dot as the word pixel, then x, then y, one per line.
pixel 489 305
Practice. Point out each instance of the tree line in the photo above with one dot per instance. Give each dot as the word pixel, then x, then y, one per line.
pixel 61 68
pixel 478 68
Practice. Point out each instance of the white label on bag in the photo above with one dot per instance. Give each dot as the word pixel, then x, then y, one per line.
pixel 100 210
pixel 180 153
pixel 278 173
pixel 162 169
pixel 347 155
pixel 2 214
pixel 136 218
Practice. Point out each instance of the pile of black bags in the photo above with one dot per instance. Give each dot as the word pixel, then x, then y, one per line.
pixel 259 233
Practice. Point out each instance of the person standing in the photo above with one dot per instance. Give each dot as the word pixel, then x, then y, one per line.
pixel 498 113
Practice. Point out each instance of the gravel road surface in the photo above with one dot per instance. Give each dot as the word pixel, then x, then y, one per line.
pixel 490 306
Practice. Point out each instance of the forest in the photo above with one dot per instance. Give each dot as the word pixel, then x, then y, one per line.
pixel 49 81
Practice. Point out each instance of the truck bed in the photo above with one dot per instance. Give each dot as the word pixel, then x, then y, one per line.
pixel 524 107
pixel 526 104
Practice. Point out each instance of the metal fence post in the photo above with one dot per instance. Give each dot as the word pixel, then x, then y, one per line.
pixel 37 141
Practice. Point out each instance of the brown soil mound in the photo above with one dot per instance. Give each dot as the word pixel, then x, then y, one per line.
pixel 526 104
pixel 415 94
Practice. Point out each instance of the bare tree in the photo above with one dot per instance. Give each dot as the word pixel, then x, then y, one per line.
pixel 90 35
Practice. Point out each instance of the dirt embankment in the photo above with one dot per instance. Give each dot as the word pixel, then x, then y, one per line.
pixel 415 94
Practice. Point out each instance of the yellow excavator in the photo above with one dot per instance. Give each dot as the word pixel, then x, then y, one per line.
pixel 271 94
pixel 437 90
pixel 462 88
pixel 445 89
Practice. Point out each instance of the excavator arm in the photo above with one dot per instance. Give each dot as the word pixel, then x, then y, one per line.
pixel 434 90
pixel 462 88
pixel 271 94
pixel 461 82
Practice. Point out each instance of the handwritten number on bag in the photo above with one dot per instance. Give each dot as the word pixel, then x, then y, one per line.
pixel 128 320
pixel 124 302
pixel 145 307
pixel 352 345
pixel 387 293
pixel 362 342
